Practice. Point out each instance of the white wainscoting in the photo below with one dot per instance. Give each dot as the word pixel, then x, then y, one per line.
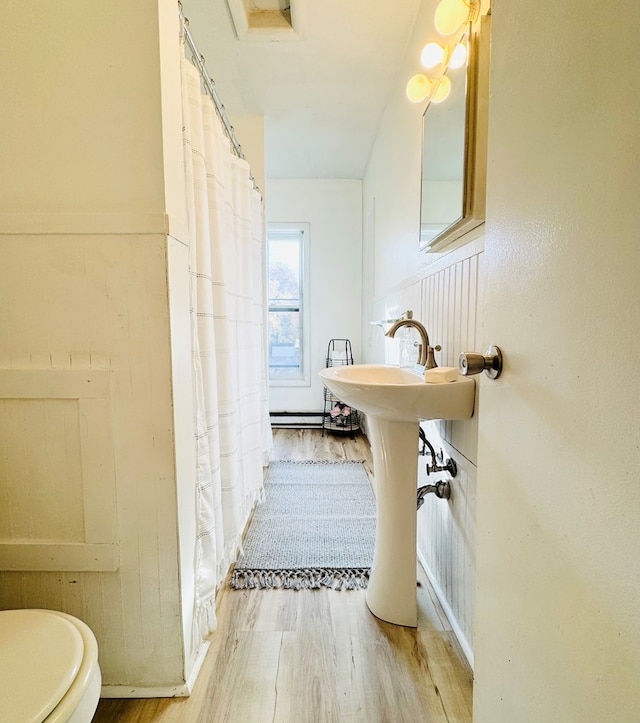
pixel 447 300
pixel 450 310
pixel 85 381
pixel 446 540
pixel 57 483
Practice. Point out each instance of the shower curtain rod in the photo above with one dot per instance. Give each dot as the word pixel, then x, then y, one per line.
pixel 210 87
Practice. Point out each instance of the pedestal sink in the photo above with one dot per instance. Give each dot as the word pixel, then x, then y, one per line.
pixel 395 401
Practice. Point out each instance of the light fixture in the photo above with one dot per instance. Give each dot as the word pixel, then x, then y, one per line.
pixel 452 14
pixel 458 57
pixel 419 88
pixel 433 54
pixel 442 91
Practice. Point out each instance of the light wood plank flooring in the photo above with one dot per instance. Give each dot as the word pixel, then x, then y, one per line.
pixel 280 656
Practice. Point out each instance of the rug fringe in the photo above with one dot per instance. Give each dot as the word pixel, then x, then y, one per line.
pixel 319 461
pixel 312 579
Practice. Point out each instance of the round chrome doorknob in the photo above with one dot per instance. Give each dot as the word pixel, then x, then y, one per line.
pixel 471 362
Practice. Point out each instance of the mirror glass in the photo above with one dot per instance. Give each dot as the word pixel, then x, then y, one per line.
pixel 450 198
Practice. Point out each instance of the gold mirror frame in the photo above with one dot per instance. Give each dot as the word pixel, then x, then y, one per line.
pixel 475 143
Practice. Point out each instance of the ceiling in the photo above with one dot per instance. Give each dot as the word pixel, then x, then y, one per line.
pixel 321 86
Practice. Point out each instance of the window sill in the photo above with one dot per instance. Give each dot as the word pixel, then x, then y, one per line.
pixel 289 383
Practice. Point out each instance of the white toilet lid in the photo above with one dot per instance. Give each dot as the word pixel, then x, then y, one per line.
pixel 40 654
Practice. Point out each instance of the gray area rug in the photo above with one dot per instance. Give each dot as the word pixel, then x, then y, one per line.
pixel 315 528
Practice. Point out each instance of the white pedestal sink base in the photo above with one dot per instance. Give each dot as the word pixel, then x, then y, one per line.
pixel 394 400
pixel 391 594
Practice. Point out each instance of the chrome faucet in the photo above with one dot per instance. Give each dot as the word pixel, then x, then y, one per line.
pixel 426 358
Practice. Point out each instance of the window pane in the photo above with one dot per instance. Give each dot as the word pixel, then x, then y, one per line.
pixel 284 269
pixel 285 360
pixel 285 254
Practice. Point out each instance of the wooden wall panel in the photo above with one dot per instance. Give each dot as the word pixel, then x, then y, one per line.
pixel 57 483
pixel 450 312
pixel 449 307
pixel 41 475
pixel 446 529
pixel 96 308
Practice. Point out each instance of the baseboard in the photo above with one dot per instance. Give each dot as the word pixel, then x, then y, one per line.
pixel 182 690
pixel 453 621
pixel 295 425
pixel 197 665
pixel 134 691
pixel 296 420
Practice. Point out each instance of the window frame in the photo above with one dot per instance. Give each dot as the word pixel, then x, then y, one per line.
pixel 303 229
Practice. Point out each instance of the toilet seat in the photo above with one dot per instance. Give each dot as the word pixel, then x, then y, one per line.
pixel 48 660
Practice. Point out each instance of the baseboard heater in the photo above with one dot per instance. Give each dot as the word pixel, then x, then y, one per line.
pixel 296 420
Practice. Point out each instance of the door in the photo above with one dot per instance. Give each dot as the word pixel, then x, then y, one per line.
pixel 558 475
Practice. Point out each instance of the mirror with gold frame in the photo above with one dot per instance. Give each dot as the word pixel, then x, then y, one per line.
pixel 453 180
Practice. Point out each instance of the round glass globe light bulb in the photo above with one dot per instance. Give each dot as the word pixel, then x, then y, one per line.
pixel 418 88
pixel 458 57
pixel 442 91
pixel 450 15
pixel 432 55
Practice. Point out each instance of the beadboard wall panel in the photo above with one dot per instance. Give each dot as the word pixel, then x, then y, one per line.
pixel 446 540
pixel 450 311
pixel 451 304
pixel 447 300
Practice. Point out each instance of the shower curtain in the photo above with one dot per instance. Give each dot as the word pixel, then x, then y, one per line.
pixel 232 431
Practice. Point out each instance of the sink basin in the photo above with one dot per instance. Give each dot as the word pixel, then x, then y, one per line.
pixel 394 393
pixel 395 400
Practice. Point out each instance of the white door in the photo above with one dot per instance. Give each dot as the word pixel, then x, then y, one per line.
pixel 558 524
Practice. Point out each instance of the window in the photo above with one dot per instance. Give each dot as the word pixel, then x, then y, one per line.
pixel 287 251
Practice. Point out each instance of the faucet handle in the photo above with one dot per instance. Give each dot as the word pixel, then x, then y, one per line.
pixel 431 360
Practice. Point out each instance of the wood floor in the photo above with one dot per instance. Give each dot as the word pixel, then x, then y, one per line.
pixel 281 656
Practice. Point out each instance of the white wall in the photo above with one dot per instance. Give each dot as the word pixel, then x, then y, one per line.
pixel 444 292
pixel 333 208
pixel 391 187
pixel 249 130
pixel 91 183
pixel 558 519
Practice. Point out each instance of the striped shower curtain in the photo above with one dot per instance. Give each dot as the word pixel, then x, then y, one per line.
pixel 233 435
